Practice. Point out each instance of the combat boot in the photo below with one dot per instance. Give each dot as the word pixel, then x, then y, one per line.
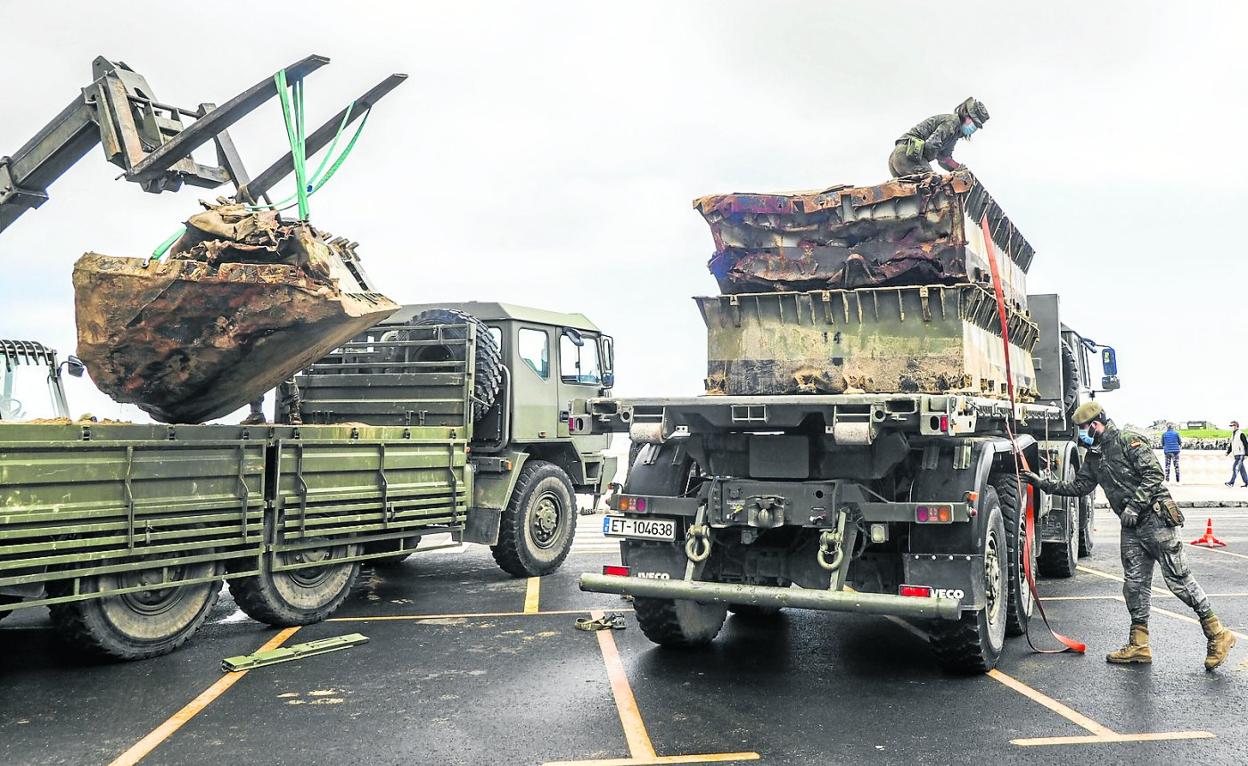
pixel 1136 650
pixel 1220 641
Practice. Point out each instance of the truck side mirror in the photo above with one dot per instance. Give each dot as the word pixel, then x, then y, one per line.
pixel 1110 383
pixel 608 361
pixel 74 366
pixel 1109 362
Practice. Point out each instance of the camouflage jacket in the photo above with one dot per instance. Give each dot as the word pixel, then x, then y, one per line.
pixel 1124 466
pixel 939 133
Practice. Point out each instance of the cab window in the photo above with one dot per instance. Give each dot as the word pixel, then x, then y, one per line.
pixel 578 360
pixel 533 348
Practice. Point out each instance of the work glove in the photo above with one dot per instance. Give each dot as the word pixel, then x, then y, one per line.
pixel 1130 517
pixel 1031 477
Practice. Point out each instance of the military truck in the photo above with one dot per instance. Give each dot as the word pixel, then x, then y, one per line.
pixel 448 419
pixel 856 449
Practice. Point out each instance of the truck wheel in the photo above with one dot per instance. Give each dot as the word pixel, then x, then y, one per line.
pixel 973 643
pixel 1086 513
pixel 1058 559
pixel 488 359
pixel 539 522
pixel 297 596
pixel 634 449
pixel 141 624
pixel 679 623
pixel 1021 602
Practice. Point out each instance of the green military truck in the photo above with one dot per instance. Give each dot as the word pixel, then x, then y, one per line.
pixel 446 419
pixel 856 447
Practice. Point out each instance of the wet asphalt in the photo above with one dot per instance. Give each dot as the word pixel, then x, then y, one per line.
pixel 491 684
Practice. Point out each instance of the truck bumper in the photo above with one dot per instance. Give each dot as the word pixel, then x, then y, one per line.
pixel 763 595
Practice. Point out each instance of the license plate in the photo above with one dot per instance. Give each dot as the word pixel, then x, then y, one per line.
pixel 643 529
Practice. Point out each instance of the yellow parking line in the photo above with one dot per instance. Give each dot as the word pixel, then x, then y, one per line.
pixel 532 593
pixel 1095 739
pixel 639 745
pixel 463 615
pixel 1069 714
pixel 143 747
pixel 640 748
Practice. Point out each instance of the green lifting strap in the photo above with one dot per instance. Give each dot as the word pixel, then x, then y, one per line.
pixel 292 102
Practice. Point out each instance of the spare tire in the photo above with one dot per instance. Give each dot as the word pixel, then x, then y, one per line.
pixel 488 358
pixel 1070 379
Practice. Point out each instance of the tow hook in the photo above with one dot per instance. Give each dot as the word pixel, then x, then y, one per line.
pixel 830 544
pixel 698 543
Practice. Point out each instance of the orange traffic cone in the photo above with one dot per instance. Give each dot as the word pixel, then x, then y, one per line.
pixel 1207 540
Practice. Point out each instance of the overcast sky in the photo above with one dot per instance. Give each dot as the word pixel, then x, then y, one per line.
pixel 547 154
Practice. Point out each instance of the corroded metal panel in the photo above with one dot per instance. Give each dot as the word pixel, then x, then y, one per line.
pixel 925 339
pixel 903 232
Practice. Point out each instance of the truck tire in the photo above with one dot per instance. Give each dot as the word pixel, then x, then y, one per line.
pixel 1059 559
pixel 973 643
pixel 1021 601
pixel 679 623
pixel 488 375
pixel 1087 512
pixel 539 522
pixel 1070 379
pixel 138 625
pixel 634 449
pixel 297 596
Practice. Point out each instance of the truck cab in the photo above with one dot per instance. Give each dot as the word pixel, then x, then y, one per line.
pixel 515 379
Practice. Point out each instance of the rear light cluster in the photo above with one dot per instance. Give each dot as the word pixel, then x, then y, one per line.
pixel 615 569
pixel 933 514
pixel 637 504
pixel 916 591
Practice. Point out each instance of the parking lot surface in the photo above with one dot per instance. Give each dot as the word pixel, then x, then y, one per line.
pixel 465 665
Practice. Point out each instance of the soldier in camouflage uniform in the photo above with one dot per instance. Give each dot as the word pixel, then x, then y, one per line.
pixel 1124 466
pixel 934 139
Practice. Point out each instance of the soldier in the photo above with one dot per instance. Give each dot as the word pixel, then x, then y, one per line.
pixel 1124 466
pixel 934 139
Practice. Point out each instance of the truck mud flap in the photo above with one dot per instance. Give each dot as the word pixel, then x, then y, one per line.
pixel 950 576
pixel 765 595
pixel 482 525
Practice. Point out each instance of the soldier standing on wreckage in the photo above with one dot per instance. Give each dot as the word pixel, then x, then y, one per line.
pixel 1124 466
pixel 934 139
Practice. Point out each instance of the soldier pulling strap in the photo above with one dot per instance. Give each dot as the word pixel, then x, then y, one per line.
pixel 1020 460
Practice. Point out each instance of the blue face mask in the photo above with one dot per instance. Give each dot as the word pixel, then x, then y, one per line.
pixel 1085 438
pixel 968 128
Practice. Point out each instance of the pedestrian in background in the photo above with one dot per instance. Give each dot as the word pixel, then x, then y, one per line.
pixel 1237 449
pixel 1171 445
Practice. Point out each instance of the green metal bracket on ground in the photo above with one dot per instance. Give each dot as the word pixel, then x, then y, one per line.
pixel 288 653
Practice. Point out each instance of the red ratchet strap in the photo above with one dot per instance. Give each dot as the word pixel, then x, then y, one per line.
pixel 1020 460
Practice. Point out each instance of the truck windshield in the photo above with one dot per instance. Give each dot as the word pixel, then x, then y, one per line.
pixel 24 392
pixel 579 363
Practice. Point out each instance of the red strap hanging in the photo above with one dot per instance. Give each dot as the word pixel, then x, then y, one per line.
pixel 1020 460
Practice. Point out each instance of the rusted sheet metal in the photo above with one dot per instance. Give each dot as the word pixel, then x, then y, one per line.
pixel 903 232
pixel 244 302
pixel 918 339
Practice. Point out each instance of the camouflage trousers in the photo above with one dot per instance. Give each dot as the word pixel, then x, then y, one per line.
pixel 1172 458
pixel 901 164
pixel 1153 542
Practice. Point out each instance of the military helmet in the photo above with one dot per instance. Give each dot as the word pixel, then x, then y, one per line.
pixel 1087 412
pixel 975 109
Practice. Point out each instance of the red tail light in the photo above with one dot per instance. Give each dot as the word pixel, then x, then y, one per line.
pixel 618 571
pixel 944 423
pixel 916 591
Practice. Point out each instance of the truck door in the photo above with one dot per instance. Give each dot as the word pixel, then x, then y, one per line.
pixel 580 370
pixel 534 379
